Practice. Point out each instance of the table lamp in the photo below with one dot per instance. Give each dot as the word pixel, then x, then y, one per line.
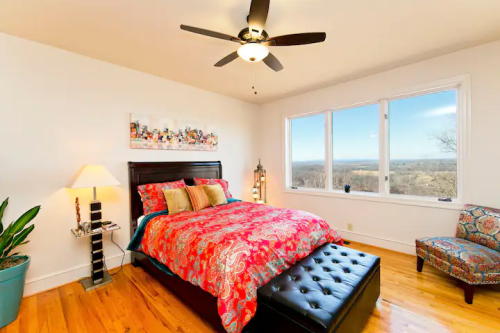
pixel 95 176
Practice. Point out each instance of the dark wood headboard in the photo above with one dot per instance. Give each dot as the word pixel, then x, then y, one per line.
pixel 141 173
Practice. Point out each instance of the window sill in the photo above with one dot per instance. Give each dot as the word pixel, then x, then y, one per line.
pixel 375 197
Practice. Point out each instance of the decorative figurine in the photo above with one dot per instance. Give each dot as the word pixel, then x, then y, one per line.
pixel 78 219
pixel 86 227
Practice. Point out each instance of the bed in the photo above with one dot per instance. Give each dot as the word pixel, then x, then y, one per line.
pixel 176 274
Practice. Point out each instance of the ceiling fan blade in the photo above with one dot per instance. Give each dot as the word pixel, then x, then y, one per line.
pixel 210 33
pixel 273 62
pixel 296 39
pixel 226 60
pixel 258 15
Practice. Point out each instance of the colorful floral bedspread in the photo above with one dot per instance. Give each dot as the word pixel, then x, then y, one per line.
pixel 232 250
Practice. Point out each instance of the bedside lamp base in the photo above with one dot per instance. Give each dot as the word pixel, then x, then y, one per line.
pixel 97 272
pixel 88 283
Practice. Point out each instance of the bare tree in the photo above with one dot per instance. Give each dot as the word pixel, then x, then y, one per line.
pixel 447 140
pixel 446 183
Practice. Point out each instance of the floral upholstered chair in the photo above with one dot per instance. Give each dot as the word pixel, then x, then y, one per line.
pixel 473 256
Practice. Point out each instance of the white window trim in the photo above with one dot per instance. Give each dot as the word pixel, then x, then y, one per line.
pixel 461 83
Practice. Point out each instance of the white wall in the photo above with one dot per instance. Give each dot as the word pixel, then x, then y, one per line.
pixel 60 111
pixel 392 225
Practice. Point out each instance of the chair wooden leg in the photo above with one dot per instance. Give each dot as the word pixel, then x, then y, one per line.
pixel 420 264
pixel 469 292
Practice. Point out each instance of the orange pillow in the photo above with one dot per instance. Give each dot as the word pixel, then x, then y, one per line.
pixel 198 196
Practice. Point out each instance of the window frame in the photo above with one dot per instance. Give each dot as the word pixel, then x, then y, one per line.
pixel 462 86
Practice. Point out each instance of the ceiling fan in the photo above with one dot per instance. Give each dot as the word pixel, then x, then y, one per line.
pixel 254 40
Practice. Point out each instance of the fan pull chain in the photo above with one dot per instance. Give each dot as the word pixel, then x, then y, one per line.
pixel 253 85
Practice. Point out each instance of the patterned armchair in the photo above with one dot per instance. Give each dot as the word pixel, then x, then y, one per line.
pixel 473 257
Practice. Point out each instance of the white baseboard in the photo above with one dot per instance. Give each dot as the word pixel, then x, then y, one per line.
pixel 385 243
pixel 56 279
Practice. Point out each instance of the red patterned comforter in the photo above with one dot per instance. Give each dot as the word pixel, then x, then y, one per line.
pixel 232 250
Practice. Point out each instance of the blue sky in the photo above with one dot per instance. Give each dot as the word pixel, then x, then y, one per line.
pixel 412 121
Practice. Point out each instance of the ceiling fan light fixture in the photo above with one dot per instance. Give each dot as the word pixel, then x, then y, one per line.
pixel 253 52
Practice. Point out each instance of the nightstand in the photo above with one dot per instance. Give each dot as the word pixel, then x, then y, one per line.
pixel 99 276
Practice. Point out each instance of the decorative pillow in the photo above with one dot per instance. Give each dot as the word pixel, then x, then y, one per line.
pixel 198 196
pixel 215 194
pixel 480 225
pixel 152 196
pixel 177 200
pixel 222 182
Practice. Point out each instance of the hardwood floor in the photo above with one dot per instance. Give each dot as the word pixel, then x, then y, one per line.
pixel 410 302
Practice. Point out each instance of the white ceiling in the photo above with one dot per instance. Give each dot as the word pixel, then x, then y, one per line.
pixel 363 37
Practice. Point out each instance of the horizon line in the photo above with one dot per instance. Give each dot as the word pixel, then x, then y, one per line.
pixel 376 160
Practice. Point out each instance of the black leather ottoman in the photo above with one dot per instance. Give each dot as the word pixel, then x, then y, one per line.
pixel 334 289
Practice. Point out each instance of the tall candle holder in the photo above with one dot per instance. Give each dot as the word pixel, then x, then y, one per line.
pixel 259 189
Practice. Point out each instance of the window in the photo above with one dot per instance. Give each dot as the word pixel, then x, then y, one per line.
pixel 308 151
pixel 423 145
pixel 355 152
pixel 412 146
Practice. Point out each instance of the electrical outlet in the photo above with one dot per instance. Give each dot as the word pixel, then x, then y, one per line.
pixel 350 226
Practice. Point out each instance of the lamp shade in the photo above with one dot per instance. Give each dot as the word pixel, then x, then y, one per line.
pixel 94 176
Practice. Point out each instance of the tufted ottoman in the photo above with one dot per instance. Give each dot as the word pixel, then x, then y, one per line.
pixel 334 289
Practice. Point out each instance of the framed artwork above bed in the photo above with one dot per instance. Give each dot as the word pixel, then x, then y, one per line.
pixel 165 133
